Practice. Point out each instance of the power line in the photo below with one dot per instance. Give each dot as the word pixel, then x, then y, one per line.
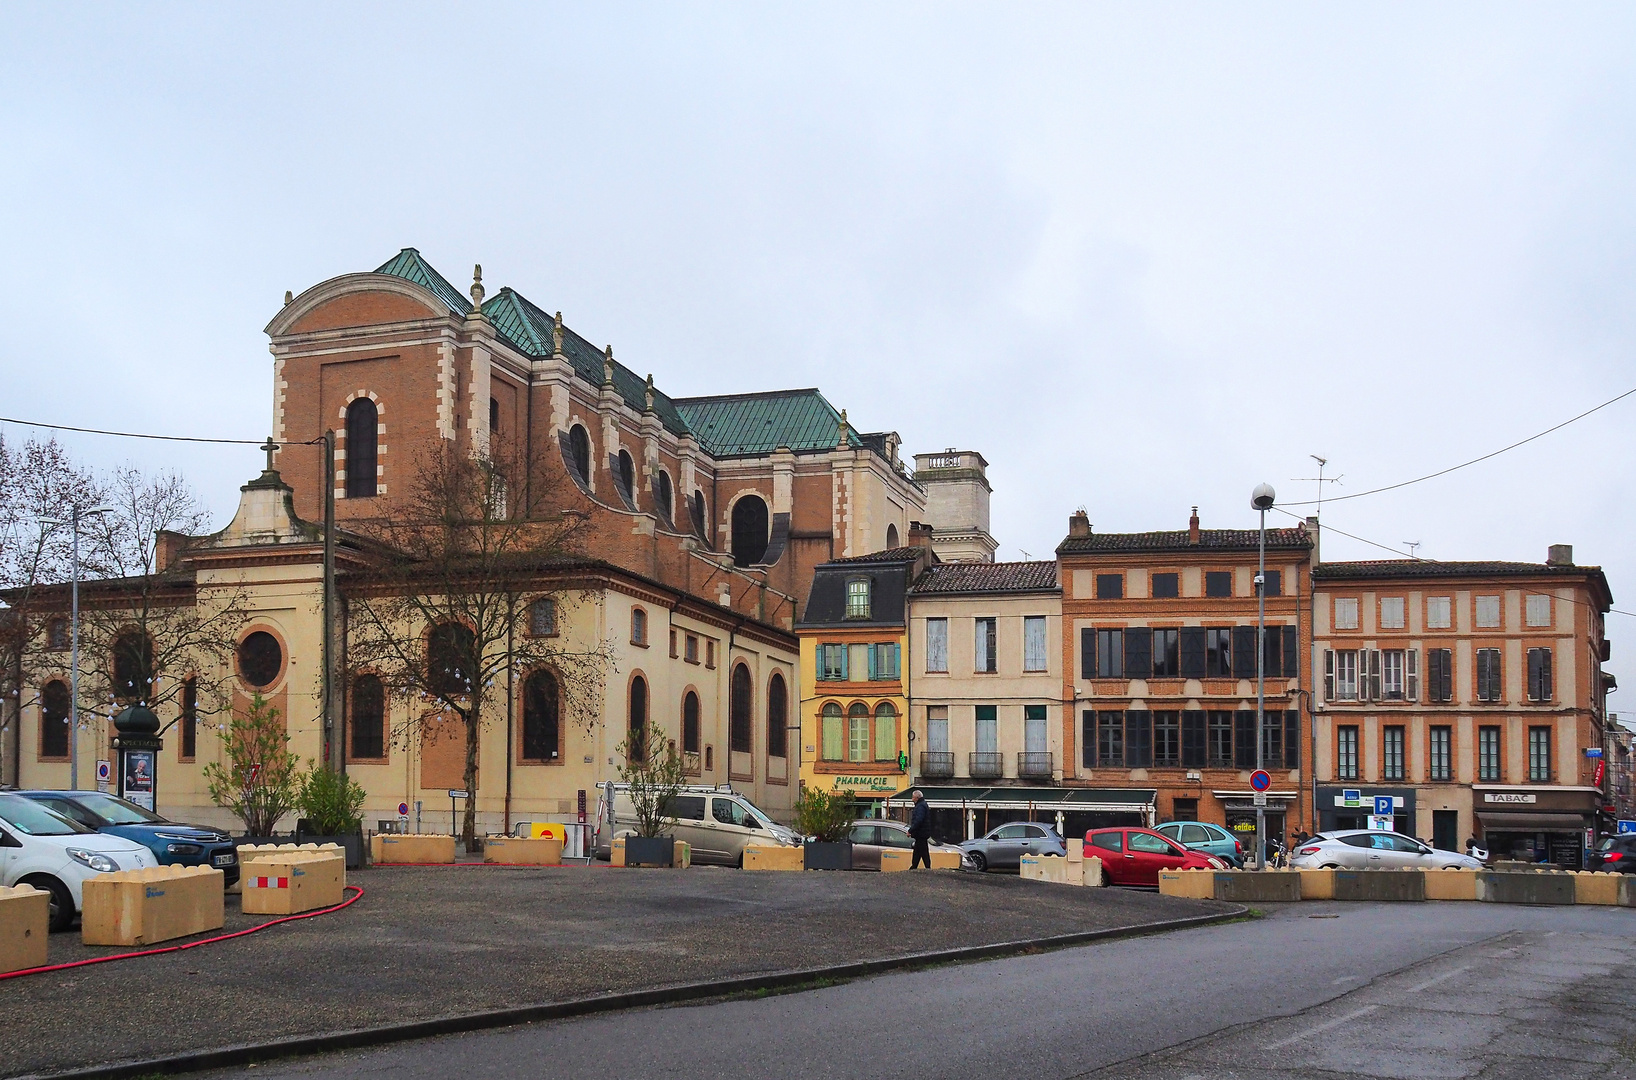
pixel 1473 461
pixel 1416 558
pixel 129 434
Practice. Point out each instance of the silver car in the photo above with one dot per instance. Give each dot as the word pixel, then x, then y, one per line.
pixel 1374 849
pixel 1003 847
pixel 873 835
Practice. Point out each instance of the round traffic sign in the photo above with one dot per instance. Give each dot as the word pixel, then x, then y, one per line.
pixel 403 809
pixel 1260 780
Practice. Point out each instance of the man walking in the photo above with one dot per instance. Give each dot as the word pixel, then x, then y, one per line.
pixel 920 827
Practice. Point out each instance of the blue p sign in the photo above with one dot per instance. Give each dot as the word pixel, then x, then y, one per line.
pixel 1383 806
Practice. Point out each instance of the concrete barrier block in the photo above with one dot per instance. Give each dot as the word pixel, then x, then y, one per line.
pixel 945 860
pixel 683 857
pixel 1596 888
pixel 895 859
pixel 1380 885
pixel 1627 890
pixel 1317 884
pixel 616 852
pixel 1048 868
pixel 419 848
pixel 1524 887
pixel 25 927
pixel 1092 875
pixel 518 851
pixel 1257 886
pixel 157 903
pixel 1451 884
pixel 1190 884
pixel 292 883
pixel 773 857
pixel 1076 849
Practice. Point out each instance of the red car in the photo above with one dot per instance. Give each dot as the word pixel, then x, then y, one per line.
pixel 1135 856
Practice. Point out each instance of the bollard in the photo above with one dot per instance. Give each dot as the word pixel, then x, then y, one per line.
pixel 143 907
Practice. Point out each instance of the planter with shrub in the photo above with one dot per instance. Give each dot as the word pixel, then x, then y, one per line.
pixel 825 819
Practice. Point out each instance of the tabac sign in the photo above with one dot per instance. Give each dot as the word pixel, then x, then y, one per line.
pixel 1507 797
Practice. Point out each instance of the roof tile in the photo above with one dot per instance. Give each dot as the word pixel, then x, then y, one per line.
pixel 987 577
pixel 1177 540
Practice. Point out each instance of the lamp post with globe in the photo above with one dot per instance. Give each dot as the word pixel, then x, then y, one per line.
pixel 1261 499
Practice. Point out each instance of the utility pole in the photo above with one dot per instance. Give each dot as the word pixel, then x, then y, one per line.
pixel 333 728
pixel 1262 499
pixel 73 522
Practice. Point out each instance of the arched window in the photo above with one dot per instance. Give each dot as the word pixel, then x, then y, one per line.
pixel 133 666
pixel 188 720
pixel 834 737
pixel 363 435
pixel 627 475
pixel 636 745
pixel 741 711
pixel 777 717
pixel 542 729
pixel 749 530
pixel 857 732
pixel 664 494
pixel 690 723
pixel 886 732
pixel 54 720
pixel 579 453
pixel 639 626
pixel 261 658
pixel 891 536
pixel 368 718
pixel 450 660
pixel 697 509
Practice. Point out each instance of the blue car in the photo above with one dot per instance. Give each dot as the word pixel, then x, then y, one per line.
pixel 172 843
pixel 1205 837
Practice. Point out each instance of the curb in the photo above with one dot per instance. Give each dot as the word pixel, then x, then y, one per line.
pixel 359 1038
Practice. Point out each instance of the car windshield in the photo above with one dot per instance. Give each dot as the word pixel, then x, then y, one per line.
pixel 766 819
pixel 1606 844
pixel 118 811
pixel 32 819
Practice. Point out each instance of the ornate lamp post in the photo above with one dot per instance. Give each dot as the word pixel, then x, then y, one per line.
pixel 1261 499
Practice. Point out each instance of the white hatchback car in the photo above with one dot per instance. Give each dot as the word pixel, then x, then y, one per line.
pixel 1366 849
pixel 40 847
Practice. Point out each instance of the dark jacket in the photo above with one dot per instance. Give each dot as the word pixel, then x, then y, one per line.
pixel 920 821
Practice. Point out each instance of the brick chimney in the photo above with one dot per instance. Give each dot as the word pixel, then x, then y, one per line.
pixel 1559 555
pixel 1193 527
pixel 168 548
pixel 920 535
pixel 1079 523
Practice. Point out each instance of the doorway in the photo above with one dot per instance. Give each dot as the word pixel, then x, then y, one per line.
pixel 1446 830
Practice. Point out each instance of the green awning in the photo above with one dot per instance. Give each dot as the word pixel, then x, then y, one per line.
pixel 1021 798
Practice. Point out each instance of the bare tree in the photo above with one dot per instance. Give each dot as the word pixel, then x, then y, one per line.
pixel 467 550
pixel 38 482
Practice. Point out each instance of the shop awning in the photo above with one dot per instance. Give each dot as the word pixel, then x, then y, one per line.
pixel 1133 800
pixel 1532 822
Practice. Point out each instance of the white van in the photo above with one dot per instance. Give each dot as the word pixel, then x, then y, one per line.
pixel 718 823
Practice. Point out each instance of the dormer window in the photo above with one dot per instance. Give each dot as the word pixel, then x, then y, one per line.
pixel 857 598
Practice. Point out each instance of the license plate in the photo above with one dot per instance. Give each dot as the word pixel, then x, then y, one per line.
pixel 224 860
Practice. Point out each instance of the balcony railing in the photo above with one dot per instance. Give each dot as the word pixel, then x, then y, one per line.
pixel 986 765
pixel 1035 765
pixel 938 764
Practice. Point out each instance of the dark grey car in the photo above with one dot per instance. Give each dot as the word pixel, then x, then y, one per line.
pixel 1002 848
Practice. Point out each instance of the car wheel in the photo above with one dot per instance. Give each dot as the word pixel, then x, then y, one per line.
pixel 1329 866
pixel 978 862
pixel 62 901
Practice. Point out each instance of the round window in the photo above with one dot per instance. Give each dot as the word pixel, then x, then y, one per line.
pixel 260 658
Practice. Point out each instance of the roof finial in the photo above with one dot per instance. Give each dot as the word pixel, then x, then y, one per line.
pixel 843 440
pixel 288 297
pixel 607 366
pixel 648 397
pixel 477 285
pixel 556 333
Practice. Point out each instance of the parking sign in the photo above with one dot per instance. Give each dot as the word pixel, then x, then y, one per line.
pixel 1383 806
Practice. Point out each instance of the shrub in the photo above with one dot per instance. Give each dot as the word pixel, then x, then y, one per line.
pixel 822 815
pixel 259 782
pixel 332 802
pixel 655 772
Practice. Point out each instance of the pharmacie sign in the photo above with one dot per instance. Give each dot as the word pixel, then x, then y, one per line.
pixel 866 783
pixel 1507 797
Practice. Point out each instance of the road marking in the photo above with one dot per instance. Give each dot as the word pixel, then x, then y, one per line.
pixel 1337 1022
pixel 1435 979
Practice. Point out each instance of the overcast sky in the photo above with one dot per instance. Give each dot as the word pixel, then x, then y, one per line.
pixel 1141 257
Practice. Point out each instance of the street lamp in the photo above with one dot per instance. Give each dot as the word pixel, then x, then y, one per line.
pixel 73 522
pixel 1261 499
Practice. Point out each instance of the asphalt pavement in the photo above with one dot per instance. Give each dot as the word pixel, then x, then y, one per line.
pixel 1309 990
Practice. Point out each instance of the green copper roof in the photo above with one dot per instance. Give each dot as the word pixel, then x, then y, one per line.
pixel 740 424
pixel 408 265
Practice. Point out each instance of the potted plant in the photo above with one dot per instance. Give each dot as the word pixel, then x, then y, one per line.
pixel 654 772
pixel 259 781
pixel 332 806
pixel 825 819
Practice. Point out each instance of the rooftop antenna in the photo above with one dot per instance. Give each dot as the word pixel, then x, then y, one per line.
pixel 1412 545
pixel 1322 480
pixel 1026 557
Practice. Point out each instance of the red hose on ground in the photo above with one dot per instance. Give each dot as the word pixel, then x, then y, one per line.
pixel 190 945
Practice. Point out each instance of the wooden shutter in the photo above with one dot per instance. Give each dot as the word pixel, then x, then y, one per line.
pixel 1087 653
pixel 1087 739
pixel 1138 738
pixel 1329 674
pixel 1138 652
pixel 1192 652
pixel 1244 739
pixel 1292 653
pixel 1374 672
pixel 1193 751
pixel 1244 652
pixel 1545 675
pixel 1292 739
pixel 1411 674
